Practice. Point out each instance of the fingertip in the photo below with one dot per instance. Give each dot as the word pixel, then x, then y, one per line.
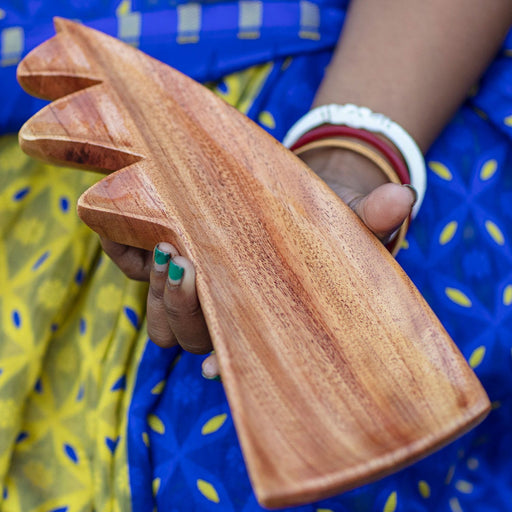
pixel 175 273
pixel 414 193
pixel 386 207
pixel 161 257
pixel 210 368
pixel 181 273
pixel 167 248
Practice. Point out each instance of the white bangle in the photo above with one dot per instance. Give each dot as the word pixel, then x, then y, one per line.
pixel 363 118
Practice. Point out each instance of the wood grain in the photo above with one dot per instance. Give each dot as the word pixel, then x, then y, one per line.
pixel 336 370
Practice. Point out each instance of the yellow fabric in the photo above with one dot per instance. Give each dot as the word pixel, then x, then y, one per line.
pixel 64 342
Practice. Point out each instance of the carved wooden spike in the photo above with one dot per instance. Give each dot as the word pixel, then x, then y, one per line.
pixel 336 370
pixel 59 67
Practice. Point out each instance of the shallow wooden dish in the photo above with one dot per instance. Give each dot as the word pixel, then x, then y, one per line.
pixel 336 370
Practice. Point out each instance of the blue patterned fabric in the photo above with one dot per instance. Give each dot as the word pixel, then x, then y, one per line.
pixel 182 448
pixel 205 40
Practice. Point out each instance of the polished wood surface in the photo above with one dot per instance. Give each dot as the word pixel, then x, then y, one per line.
pixel 336 370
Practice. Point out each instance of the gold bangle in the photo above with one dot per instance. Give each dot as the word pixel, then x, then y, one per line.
pixel 356 147
pixel 398 237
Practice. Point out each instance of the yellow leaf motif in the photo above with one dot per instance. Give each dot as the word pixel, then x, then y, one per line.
pixel 156 424
pixel 458 297
pixel 477 356
pixel 207 490
pixel 156 486
pixel 507 295
pixel 158 388
pixel 441 170
pixel 124 8
pixel 145 438
pixel 448 232
pixel 213 424
pixel 391 503
pixel 495 232
pixel 324 510
pixel 455 505
pixel 267 119
pixel 508 121
pixel 488 170
pixel 464 486
pixel 424 489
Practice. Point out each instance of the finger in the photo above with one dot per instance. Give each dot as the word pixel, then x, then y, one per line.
pixel 135 263
pixel 158 327
pixel 210 367
pixel 184 312
pixel 384 209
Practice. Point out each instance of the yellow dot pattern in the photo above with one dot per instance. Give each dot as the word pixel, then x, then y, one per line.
pixel 507 295
pixel 208 490
pixel 477 357
pixel 458 297
pixel 424 489
pixel 158 388
pixel 448 233
pixel 156 486
pixel 213 424
pixel 391 503
pixel 440 170
pixel 488 169
pixel 156 424
pixel 495 232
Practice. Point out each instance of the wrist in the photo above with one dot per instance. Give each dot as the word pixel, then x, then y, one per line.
pixel 333 121
pixel 335 165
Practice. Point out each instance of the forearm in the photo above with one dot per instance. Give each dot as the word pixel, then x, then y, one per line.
pixel 414 60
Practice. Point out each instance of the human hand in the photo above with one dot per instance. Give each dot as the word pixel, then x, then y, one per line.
pixel 173 311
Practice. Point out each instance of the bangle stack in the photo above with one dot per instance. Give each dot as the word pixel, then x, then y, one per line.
pixel 338 126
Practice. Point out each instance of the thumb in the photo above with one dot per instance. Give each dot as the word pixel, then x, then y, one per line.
pixel 385 208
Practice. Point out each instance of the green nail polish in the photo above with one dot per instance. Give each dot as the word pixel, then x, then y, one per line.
pixel 160 257
pixel 217 377
pixel 175 271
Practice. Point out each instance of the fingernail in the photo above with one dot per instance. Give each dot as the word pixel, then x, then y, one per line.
pixel 208 370
pixel 207 377
pixel 161 259
pixel 175 273
pixel 414 191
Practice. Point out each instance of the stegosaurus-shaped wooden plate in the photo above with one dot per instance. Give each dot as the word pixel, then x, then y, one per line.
pixel 336 370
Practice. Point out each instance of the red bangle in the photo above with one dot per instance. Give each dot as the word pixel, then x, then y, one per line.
pixel 326 131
